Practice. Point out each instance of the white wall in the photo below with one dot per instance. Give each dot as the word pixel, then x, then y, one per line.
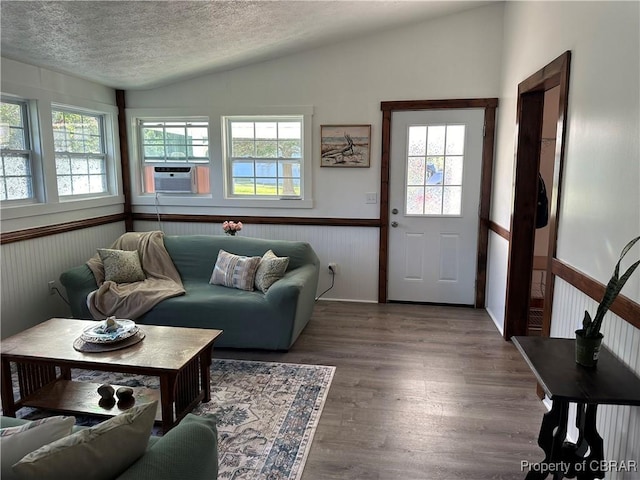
pixel 42 87
pixel 600 209
pixel 353 249
pixel 345 84
pixel 453 57
pixel 28 266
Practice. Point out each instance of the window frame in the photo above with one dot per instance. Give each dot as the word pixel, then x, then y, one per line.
pixel 229 160
pixel 216 201
pixel 48 207
pixel 202 160
pixel 441 186
pixel 25 106
pixel 102 123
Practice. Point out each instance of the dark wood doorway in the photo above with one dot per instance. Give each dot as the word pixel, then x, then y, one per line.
pixel 530 115
pixel 489 105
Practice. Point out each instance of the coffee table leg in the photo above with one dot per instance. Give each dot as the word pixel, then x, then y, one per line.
pixel 167 398
pixel 65 373
pixel 205 372
pixel 8 402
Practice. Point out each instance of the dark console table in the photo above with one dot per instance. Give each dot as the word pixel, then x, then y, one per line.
pixel 552 361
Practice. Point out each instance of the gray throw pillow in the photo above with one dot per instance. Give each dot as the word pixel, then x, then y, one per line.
pixel 271 269
pixel 98 453
pixel 121 266
pixel 235 271
pixel 16 442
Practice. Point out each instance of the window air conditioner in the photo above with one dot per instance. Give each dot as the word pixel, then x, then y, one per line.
pixel 174 179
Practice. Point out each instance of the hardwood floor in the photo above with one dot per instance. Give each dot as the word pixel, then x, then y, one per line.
pixel 419 393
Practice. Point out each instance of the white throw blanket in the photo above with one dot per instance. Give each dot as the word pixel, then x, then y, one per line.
pixel 132 300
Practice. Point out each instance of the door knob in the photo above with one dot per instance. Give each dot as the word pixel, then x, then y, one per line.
pixel 394 224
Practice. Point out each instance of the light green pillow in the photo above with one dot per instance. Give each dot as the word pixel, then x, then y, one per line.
pixel 98 453
pixel 234 271
pixel 121 266
pixel 16 442
pixel 271 269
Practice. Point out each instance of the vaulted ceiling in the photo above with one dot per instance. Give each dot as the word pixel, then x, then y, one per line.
pixel 142 44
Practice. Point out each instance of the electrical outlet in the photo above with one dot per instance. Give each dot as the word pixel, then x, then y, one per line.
pixel 333 267
pixel 52 285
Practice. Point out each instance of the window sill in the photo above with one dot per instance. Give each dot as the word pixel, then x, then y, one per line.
pixel 174 200
pixel 46 213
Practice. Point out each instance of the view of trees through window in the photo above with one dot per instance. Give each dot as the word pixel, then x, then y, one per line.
pixel 265 156
pixel 80 152
pixel 16 179
pixel 177 141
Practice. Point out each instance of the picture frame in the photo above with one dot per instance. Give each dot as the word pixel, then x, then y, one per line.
pixel 345 146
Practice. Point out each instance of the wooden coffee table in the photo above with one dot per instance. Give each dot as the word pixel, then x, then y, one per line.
pixel 44 356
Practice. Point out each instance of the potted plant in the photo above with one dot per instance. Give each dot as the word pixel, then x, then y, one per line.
pixel 589 338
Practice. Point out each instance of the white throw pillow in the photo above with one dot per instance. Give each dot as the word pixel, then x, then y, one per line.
pixel 271 269
pixel 98 453
pixel 235 271
pixel 16 442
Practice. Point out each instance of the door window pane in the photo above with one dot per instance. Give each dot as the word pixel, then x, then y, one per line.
pixel 434 169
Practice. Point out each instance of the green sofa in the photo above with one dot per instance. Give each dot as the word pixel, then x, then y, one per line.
pixel 249 319
pixel 188 450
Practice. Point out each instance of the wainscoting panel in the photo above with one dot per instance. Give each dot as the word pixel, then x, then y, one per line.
pixel 353 249
pixel 619 426
pixel 498 259
pixel 28 266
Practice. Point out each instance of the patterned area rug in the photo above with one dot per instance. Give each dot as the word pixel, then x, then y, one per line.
pixel 267 413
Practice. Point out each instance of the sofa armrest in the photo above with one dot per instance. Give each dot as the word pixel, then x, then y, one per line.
pixel 296 292
pixel 188 450
pixel 79 282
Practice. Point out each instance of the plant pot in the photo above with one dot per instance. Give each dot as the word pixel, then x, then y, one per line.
pixel 587 349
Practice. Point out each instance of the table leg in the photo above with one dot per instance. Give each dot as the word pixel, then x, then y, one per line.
pixel 205 372
pixel 65 373
pixel 167 398
pixel 595 444
pixel 8 401
pixel 550 442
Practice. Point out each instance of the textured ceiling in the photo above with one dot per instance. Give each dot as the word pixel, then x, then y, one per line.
pixel 142 44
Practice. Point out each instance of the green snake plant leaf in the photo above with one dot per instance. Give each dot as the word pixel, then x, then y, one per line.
pixel 586 323
pixel 616 283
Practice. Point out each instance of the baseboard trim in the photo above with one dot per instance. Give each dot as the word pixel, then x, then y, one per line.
pixel 499 327
pixel 323 299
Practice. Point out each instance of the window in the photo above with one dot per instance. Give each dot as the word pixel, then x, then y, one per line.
pixel 81 160
pixel 175 141
pixel 16 177
pixel 435 157
pixel 263 156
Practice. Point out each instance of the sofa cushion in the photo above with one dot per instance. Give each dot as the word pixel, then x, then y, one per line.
pixel 100 452
pixel 271 269
pixel 235 271
pixel 18 441
pixel 187 451
pixel 121 266
pixel 195 255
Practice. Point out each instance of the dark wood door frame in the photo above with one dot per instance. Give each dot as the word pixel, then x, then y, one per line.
pixel 489 105
pixel 522 233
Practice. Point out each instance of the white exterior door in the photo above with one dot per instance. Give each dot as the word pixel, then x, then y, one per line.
pixel 434 193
